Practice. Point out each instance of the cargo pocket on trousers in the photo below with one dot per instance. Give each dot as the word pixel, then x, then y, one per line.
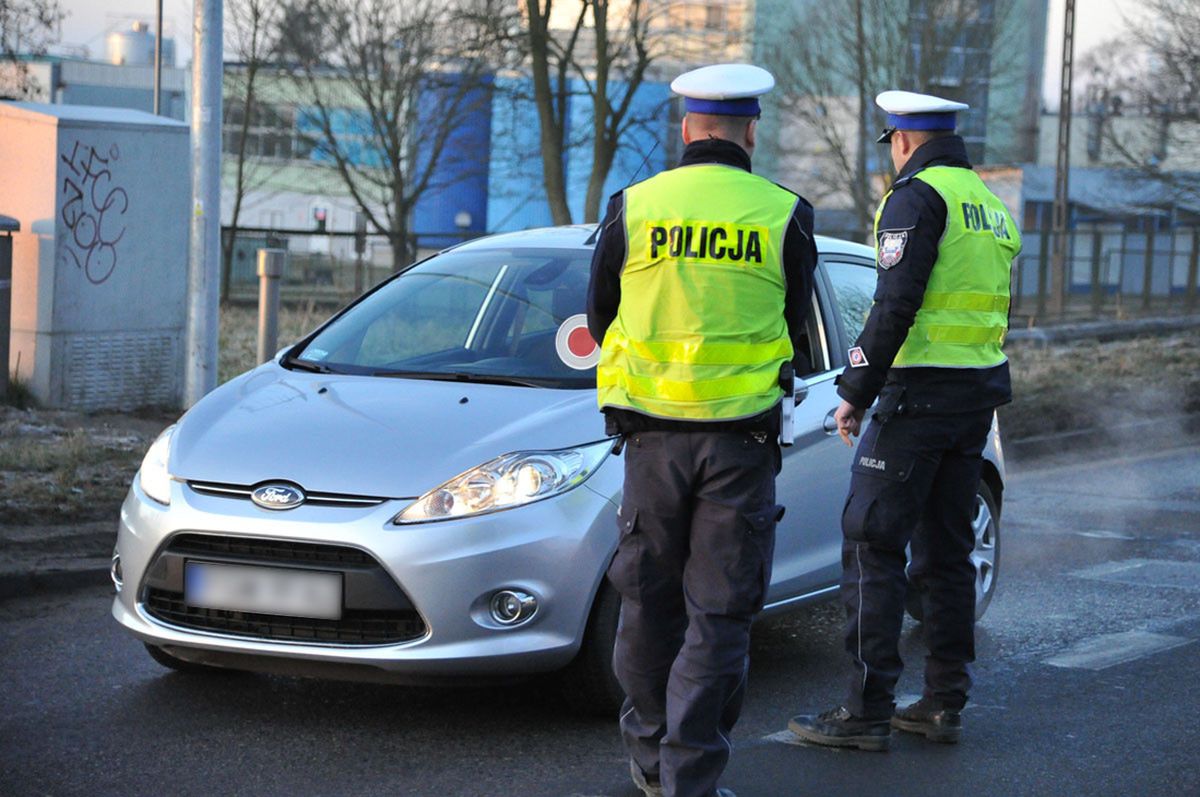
pixel 760 531
pixel 877 506
pixel 625 570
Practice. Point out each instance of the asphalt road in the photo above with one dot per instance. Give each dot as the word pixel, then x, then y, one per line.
pixel 1086 683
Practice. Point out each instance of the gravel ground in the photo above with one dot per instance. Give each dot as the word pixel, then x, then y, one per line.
pixel 61 467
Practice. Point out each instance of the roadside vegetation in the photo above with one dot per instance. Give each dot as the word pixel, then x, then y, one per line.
pixel 1092 385
pixel 64 467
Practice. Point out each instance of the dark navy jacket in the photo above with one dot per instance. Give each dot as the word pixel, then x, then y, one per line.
pixel 917 208
pixel 604 289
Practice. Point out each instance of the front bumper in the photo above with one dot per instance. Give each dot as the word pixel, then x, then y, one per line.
pixel 555 549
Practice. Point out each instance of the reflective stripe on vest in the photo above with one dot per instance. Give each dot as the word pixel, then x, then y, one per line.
pixel 699 333
pixel 963 317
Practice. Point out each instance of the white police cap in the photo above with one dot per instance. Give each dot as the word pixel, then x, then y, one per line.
pixel 907 110
pixel 723 89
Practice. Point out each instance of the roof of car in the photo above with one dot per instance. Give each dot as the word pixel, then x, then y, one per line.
pixel 580 235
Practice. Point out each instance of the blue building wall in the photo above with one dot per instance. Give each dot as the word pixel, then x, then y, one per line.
pixel 516 195
pixel 460 182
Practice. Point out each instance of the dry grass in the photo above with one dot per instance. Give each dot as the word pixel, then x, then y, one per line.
pixel 239 334
pixel 62 467
pixel 1088 384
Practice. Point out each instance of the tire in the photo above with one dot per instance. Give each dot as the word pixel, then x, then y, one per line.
pixel 985 557
pixel 588 683
pixel 180 665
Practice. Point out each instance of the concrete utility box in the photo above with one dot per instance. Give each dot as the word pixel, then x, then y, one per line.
pixel 100 265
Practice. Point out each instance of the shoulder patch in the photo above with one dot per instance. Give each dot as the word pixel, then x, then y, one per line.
pixel 891 248
pixel 858 359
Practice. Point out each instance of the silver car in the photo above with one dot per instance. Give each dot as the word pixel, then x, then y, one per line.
pixel 422 489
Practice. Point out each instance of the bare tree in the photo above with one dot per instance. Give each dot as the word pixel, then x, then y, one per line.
pixel 1143 96
pixel 253 38
pixel 830 73
pixel 27 27
pixel 608 50
pixel 389 82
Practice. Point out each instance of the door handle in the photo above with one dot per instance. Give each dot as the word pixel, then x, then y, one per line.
pixel 829 424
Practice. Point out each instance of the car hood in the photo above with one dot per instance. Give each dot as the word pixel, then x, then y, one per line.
pixel 365 435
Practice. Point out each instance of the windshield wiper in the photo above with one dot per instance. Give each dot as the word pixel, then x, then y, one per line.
pixel 461 376
pixel 307 365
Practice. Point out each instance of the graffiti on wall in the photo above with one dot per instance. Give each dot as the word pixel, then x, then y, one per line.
pixel 93 208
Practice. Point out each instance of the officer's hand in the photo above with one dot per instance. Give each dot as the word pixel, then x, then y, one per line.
pixel 849 419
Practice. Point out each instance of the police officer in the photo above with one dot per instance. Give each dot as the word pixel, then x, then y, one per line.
pixel 930 353
pixel 701 279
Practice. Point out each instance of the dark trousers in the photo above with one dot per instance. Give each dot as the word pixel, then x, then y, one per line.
pixel 697 526
pixel 914 480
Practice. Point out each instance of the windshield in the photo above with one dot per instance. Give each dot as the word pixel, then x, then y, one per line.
pixel 513 316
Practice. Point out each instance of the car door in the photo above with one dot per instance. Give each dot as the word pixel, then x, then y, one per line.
pixel 816 470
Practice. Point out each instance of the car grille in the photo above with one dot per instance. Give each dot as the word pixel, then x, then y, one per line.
pixel 242 491
pixel 384 614
pixel 281 552
pixel 355 628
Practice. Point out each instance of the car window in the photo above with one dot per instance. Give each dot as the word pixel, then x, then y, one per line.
pixel 440 319
pixel 477 313
pixel 853 288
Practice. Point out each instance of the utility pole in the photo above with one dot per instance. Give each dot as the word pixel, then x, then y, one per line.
pixel 200 373
pixel 1062 168
pixel 158 33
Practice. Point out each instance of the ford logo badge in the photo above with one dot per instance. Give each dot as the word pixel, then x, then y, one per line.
pixel 277 496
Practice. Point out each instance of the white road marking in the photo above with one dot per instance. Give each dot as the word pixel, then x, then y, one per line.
pixel 1018 474
pixel 1108 650
pixel 1105 535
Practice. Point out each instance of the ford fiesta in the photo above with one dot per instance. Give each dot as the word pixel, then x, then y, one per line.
pixel 422 488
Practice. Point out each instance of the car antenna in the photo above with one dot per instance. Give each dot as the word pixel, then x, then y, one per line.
pixel 645 160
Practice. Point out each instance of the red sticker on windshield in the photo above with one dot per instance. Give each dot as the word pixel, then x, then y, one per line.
pixel 574 344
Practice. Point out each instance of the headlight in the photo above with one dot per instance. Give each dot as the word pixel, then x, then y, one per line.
pixel 153 477
pixel 507 481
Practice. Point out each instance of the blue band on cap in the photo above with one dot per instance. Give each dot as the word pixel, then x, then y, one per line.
pixel 922 121
pixel 745 106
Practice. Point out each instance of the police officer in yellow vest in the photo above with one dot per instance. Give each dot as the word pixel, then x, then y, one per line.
pixel 701 279
pixel 930 358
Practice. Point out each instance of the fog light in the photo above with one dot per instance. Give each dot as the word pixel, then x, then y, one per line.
pixel 511 606
pixel 118 579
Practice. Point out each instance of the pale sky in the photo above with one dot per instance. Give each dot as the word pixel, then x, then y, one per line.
pixel 89 20
pixel 1096 21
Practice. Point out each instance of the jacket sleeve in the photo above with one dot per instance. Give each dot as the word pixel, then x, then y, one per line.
pixel 911 226
pixel 799 265
pixel 604 286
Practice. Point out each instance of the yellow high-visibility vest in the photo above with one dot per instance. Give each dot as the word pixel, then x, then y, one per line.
pixel 700 332
pixel 964 315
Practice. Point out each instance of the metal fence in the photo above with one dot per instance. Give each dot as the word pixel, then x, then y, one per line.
pixel 325 267
pixel 1112 270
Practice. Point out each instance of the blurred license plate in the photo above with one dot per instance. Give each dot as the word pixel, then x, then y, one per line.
pixel 263 590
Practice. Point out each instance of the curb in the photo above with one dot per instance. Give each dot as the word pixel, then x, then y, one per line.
pixel 1149 433
pixel 1104 331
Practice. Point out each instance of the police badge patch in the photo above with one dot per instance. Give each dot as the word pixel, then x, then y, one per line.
pixel 891 248
pixel 857 358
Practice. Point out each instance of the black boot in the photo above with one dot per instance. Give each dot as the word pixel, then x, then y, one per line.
pixel 840 728
pixel 927 717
